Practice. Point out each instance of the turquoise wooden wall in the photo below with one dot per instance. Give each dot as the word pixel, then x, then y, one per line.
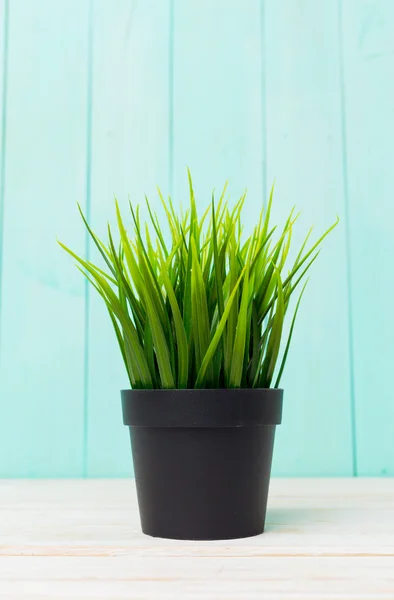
pixel 114 96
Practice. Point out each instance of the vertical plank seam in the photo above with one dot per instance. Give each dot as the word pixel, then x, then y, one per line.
pixel 345 180
pixel 263 100
pixel 171 98
pixel 3 127
pixel 88 151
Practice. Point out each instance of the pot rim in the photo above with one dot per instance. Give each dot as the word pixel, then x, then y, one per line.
pixel 195 408
pixel 127 390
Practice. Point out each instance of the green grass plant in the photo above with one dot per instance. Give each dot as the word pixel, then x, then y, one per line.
pixel 207 309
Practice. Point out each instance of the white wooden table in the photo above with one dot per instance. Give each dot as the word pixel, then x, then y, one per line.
pixel 331 538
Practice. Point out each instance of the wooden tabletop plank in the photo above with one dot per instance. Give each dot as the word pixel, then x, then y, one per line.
pixel 330 538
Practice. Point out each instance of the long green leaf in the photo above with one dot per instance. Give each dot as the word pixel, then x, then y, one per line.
pixel 200 315
pixel 158 334
pixel 307 255
pixel 140 367
pixel 282 366
pixel 218 272
pixel 237 360
pixel 275 337
pixel 201 376
pixel 181 337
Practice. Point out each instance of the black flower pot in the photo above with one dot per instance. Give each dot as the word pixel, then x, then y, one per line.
pixel 202 459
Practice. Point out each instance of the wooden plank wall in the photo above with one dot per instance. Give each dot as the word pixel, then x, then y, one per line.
pixel 101 98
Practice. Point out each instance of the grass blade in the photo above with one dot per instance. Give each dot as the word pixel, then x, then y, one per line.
pixel 237 360
pixel 181 337
pixel 282 366
pixel 200 316
pixel 201 378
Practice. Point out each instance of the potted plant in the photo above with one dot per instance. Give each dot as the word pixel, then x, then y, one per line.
pixel 199 321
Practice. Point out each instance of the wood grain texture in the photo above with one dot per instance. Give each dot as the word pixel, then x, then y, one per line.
pixel 129 159
pixel 42 308
pixel 368 46
pixel 324 539
pixel 304 146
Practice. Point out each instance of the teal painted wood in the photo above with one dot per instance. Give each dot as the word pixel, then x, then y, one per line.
pixel 217 99
pixel 304 154
pixel 42 309
pixel 3 112
pixel 129 156
pixel 299 90
pixel 367 36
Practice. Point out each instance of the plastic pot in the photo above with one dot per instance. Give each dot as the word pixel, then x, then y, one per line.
pixel 202 459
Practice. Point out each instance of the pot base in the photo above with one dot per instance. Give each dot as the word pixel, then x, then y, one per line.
pixel 203 539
